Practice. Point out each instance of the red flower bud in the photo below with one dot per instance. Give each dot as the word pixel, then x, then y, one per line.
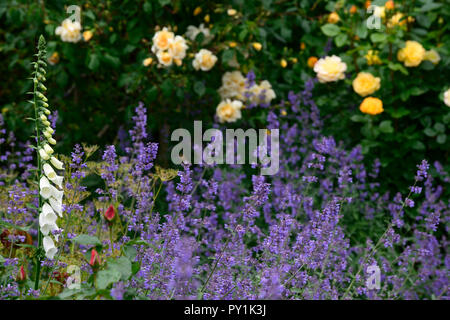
pixel 22 275
pixel 110 213
pixel 95 258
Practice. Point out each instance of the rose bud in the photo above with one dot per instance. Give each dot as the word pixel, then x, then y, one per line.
pixel 110 213
pixel 95 259
pixel 21 276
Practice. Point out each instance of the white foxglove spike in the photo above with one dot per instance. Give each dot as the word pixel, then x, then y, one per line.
pixel 48 135
pixel 49 247
pixel 51 141
pixel 48 149
pixel 56 205
pixel 46 189
pixel 56 163
pixel 49 172
pixel 49 130
pixel 44 155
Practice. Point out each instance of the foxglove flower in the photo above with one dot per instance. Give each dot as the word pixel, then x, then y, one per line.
pixel 51 196
pixel 49 247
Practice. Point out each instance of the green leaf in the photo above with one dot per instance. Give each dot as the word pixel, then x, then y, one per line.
pixel 430 6
pixel 166 88
pixel 361 31
pixel 199 88
pixel 417 145
pixel 130 252
pixel 330 29
pixel 397 67
pixel 164 2
pixel 429 132
pixel 94 62
pixel 107 277
pixel 10 225
pixel 85 240
pixel 122 265
pixel 378 37
pixel 386 126
pixel 341 39
pixel 227 55
pixel 2 259
pixel 439 127
pixel 441 138
pixel 358 118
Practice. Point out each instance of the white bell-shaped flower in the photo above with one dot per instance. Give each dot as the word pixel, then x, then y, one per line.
pixel 56 163
pixel 46 189
pixel 48 149
pixel 43 154
pixel 56 205
pixel 49 172
pixel 57 194
pixel 49 247
pixel 58 181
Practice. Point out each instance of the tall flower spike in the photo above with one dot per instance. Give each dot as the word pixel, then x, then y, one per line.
pixel 50 197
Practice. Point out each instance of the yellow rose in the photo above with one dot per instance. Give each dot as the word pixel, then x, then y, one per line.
pixel 229 110
pixel 396 19
pixel 447 97
pixel 333 18
pixel 412 54
pixel 433 56
pixel 330 69
pixel 231 12
pixel 165 58
pixel 372 57
pixel 365 84
pixel 204 60
pixel 372 106
pixel 161 39
pixel 69 31
pixel 178 47
pixel 283 63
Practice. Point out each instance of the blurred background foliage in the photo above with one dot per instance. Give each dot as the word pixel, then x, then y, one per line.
pixel 96 84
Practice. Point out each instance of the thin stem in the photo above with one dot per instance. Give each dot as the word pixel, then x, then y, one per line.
pixel 38 175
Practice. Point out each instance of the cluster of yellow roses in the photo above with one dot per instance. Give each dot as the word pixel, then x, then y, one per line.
pixel 170 48
pixel 332 68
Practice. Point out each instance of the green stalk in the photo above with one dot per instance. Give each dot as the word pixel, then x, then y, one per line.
pixel 38 175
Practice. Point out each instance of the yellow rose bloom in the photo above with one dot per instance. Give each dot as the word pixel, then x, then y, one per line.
pixel 353 9
pixel 396 19
pixel 165 58
pixel 54 58
pixel 204 60
pixel 229 110
pixel 372 106
pixel 231 12
pixel 365 84
pixel 433 56
pixel 412 54
pixel 447 98
pixel 333 18
pixel 283 63
pixel 372 57
pixel 87 35
pixel 312 61
pixel 161 39
pixel 330 69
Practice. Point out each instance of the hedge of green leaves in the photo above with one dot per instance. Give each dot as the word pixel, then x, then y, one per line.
pixel 96 82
